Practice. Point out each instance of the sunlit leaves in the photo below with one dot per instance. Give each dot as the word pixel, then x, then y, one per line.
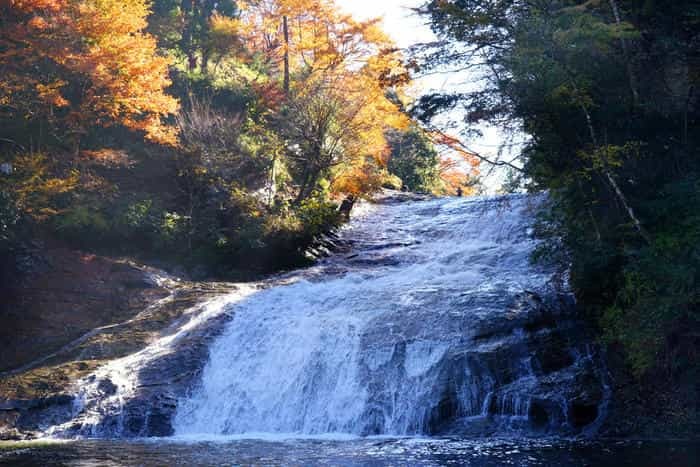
pixel 34 187
pixel 90 60
pixel 337 108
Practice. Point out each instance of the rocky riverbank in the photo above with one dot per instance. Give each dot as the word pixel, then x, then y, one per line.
pixel 81 318
pixel 69 315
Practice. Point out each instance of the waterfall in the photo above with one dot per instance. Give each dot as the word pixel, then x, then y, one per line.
pixel 433 321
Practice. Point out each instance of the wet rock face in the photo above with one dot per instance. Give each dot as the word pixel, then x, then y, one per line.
pixel 22 419
pixel 137 397
pixel 63 295
pixel 529 370
pixel 128 307
pixel 432 320
pixel 64 313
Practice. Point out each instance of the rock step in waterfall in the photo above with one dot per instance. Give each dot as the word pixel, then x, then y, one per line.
pixel 433 321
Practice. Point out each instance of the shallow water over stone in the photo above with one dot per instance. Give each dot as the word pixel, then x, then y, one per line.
pixel 430 320
pixel 362 452
pixel 434 322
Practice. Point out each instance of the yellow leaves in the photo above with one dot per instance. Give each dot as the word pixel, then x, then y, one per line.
pixel 320 37
pixel 98 45
pixel 100 18
pixel 340 120
pixel 51 93
pixel 610 156
pixel 106 157
pixel 157 132
pixel 363 177
pixel 341 70
pixel 127 75
pixel 226 35
pixel 34 186
pixel 226 26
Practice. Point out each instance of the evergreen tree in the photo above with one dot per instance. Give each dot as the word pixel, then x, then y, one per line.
pixel 414 160
pixel 608 92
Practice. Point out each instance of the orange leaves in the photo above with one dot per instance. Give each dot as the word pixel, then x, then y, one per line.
pixel 51 93
pixel 110 19
pixel 89 57
pixel 457 166
pixel 364 177
pixel 38 23
pixel 128 78
pixel 320 37
pixel 29 6
pixel 442 139
pixel 332 78
pixel 455 176
pixel 271 94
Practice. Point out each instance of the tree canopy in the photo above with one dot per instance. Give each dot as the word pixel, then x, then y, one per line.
pixel 606 91
pixel 78 64
pixel 207 131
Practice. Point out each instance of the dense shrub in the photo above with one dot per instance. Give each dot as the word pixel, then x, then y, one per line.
pixel 82 222
pixel 317 215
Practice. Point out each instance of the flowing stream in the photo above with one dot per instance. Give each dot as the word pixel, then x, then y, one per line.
pixel 433 321
pixel 428 338
pixel 430 319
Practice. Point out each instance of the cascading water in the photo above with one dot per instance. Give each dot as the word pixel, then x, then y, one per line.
pixel 434 321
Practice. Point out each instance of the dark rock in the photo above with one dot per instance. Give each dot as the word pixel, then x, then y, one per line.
pixel 107 387
pixel 26 417
pixel 582 414
pixel 552 353
pixel 539 415
pixel 161 382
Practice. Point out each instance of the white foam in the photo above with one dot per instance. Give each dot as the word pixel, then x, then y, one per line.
pixel 363 351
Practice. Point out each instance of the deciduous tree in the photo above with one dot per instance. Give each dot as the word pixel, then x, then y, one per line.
pixel 81 63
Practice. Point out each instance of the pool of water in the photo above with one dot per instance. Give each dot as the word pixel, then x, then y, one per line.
pixel 351 452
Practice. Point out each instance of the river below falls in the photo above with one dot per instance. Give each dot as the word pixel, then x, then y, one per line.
pixel 353 452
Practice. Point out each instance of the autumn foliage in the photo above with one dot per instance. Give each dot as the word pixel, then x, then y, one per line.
pixel 338 74
pixel 82 63
pixel 458 165
pixel 265 114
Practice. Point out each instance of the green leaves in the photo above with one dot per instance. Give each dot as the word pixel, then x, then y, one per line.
pixel 610 156
pixel 606 90
pixel 415 161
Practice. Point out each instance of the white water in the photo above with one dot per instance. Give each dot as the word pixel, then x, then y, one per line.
pixel 93 403
pixel 386 339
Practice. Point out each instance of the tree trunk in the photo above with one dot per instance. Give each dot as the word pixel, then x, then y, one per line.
pixel 285 28
pixel 310 181
pixel 187 43
pixel 630 71
pixel 205 60
pixel 273 182
pixel 302 187
pixel 613 184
